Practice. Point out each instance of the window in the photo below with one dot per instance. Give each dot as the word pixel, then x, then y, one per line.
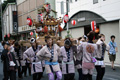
pixel 95 1
pixel 62 7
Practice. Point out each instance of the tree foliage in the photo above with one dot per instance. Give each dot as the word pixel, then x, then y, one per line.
pixel 6 2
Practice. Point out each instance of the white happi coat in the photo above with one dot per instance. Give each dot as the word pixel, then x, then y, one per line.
pixel 67 67
pixel 36 63
pixel 86 56
pixel 44 54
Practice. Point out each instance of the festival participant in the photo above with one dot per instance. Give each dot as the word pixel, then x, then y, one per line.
pixel 99 64
pixel 23 62
pixel 16 49
pixel 50 54
pixel 78 65
pixel 88 52
pixel 66 56
pixel 30 55
pixel 78 61
pixel 10 65
pixel 2 57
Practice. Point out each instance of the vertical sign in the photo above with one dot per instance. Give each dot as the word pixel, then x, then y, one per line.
pixel 15 21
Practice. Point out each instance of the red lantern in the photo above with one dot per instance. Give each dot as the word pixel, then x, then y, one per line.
pixel 29 22
pixel 66 18
pixel 60 28
pixel 8 35
pixel 97 30
pixel 45 29
pixel 73 22
pixel 4 36
pixel 31 33
pixel 93 25
pixel 40 17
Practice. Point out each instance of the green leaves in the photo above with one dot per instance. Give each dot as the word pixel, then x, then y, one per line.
pixel 68 35
pixel 6 2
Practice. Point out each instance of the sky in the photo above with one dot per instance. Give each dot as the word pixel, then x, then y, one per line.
pixel 2 0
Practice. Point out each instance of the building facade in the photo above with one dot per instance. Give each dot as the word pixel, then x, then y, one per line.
pixel 106 13
pixel 29 8
pixel 8 28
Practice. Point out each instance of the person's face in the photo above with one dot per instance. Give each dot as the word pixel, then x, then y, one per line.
pixel 33 44
pixel 5 46
pixel 9 48
pixel 113 39
pixel 49 42
pixel 103 38
pixel 83 39
pixel 67 46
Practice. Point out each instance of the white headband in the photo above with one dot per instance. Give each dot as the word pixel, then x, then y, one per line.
pixel 32 40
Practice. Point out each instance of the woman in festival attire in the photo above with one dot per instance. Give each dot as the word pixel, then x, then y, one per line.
pixel 50 54
pixel 88 51
pixel 78 61
pixel 78 65
pixel 100 65
pixel 30 55
pixel 23 62
pixel 17 52
pixel 66 56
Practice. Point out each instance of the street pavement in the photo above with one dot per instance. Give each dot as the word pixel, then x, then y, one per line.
pixel 109 74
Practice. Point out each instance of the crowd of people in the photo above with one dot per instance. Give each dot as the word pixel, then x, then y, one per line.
pixel 83 55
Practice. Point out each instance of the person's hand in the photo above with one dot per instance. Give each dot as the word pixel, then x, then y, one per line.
pixel 36 53
pixel 116 49
pixel 8 53
pixel 16 70
pixel 28 59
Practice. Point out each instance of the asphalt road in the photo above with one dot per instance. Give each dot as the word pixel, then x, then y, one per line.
pixel 109 74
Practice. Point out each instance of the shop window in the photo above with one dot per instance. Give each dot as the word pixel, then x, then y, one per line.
pixel 95 1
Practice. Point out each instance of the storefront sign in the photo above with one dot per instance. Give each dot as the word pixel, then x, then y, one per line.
pixel 81 19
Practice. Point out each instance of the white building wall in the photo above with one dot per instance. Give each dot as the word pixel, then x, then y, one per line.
pixel 4 23
pixel 75 33
pixel 8 19
pixel 108 9
pixel 20 1
pixel 109 29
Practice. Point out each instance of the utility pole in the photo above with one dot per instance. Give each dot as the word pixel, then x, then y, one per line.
pixel 67 5
pixel 17 21
pixel 67 1
pixel 2 21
